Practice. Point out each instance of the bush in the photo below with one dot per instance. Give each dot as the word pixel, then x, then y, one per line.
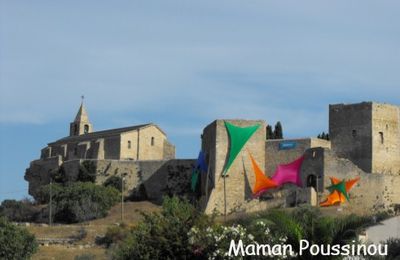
pixel 43 194
pixel 162 235
pixel 393 248
pixel 15 242
pixel 82 201
pixel 114 181
pixel 87 172
pixel 114 235
pixel 18 211
pixel 79 201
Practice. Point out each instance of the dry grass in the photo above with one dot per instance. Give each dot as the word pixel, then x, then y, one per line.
pixel 93 229
pixel 65 253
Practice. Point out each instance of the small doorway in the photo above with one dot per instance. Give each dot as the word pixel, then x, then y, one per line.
pixel 312 181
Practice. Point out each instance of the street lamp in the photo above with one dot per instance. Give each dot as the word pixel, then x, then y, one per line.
pixel 122 198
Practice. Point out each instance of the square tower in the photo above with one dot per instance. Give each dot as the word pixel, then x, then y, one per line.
pixel 237 187
pixel 368 134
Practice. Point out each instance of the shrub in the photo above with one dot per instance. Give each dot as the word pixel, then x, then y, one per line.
pixel 82 201
pixel 393 248
pixel 79 201
pixel 162 235
pixel 87 172
pixel 114 181
pixel 15 242
pixel 43 194
pixel 18 211
pixel 114 235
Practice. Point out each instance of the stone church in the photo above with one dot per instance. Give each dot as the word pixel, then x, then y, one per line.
pixel 138 142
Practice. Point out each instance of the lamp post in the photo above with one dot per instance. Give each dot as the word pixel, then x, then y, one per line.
pixel 51 202
pixel 122 198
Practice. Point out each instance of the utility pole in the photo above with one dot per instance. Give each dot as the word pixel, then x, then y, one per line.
pixel 51 201
pixel 122 198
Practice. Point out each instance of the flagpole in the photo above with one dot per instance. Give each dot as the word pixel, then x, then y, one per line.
pixel 224 176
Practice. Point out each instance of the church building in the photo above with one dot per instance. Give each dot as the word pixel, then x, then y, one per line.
pixel 138 142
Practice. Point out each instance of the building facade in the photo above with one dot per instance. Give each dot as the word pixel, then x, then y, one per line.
pixel 139 142
pixel 368 134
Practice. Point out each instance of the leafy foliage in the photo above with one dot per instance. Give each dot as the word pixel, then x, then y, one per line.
pixel 269 132
pixel 18 211
pixel 162 235
pixel 393 248
pixel 79 201
pixel 277 133
pixel 181 232
pixel 114 181
pixel 324 136
pixel 114 234
pixel 15 242
pixel 87 172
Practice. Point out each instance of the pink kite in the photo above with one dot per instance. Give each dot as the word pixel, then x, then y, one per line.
pixel 288 173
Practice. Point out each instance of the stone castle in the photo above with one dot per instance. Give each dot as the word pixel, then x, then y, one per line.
pixel 364 142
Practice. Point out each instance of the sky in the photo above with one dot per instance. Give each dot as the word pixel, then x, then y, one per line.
pixel 182 64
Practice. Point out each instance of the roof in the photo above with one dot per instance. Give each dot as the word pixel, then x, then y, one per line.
pixel 104 133
pixel 82 115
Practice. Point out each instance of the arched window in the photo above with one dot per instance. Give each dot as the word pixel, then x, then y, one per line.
pixel 152 141
pixel 382 138
pixel 86 129
pixel 129 144
pixel 75 129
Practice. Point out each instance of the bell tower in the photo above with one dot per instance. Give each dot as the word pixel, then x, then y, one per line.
pixel 81 124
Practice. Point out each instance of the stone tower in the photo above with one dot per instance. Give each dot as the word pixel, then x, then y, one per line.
pixel 368 134
pixel 81 124
pixel 236 190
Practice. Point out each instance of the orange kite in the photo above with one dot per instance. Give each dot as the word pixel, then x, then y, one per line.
pixel 263 183
pixel 336 197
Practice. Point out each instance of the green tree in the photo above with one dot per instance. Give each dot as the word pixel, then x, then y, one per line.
pixel 114 181
pixel 79 201
pixel 162 235
pixel 324 136
pixel 278 131
pixel 18 211
pixel 87 172
pixel 15 242
pixel 270 133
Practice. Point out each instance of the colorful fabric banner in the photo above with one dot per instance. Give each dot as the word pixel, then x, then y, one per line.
pixel 288 173
pixel 238 137
pixel 262 183
pixel 200 167
pixel 339 191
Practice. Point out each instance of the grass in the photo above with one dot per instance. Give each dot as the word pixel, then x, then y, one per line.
pixel 93 229
pixel 62 252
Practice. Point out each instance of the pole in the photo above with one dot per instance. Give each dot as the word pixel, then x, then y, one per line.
pixel 122 198
pixel 224 197
pixel 51 202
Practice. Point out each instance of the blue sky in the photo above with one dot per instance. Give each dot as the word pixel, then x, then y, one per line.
pixel 182 64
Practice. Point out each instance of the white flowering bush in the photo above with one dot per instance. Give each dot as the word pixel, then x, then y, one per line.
pixel 214 242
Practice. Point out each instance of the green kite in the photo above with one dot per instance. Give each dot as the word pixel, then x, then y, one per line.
pixel 238 137
pixel 340 187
